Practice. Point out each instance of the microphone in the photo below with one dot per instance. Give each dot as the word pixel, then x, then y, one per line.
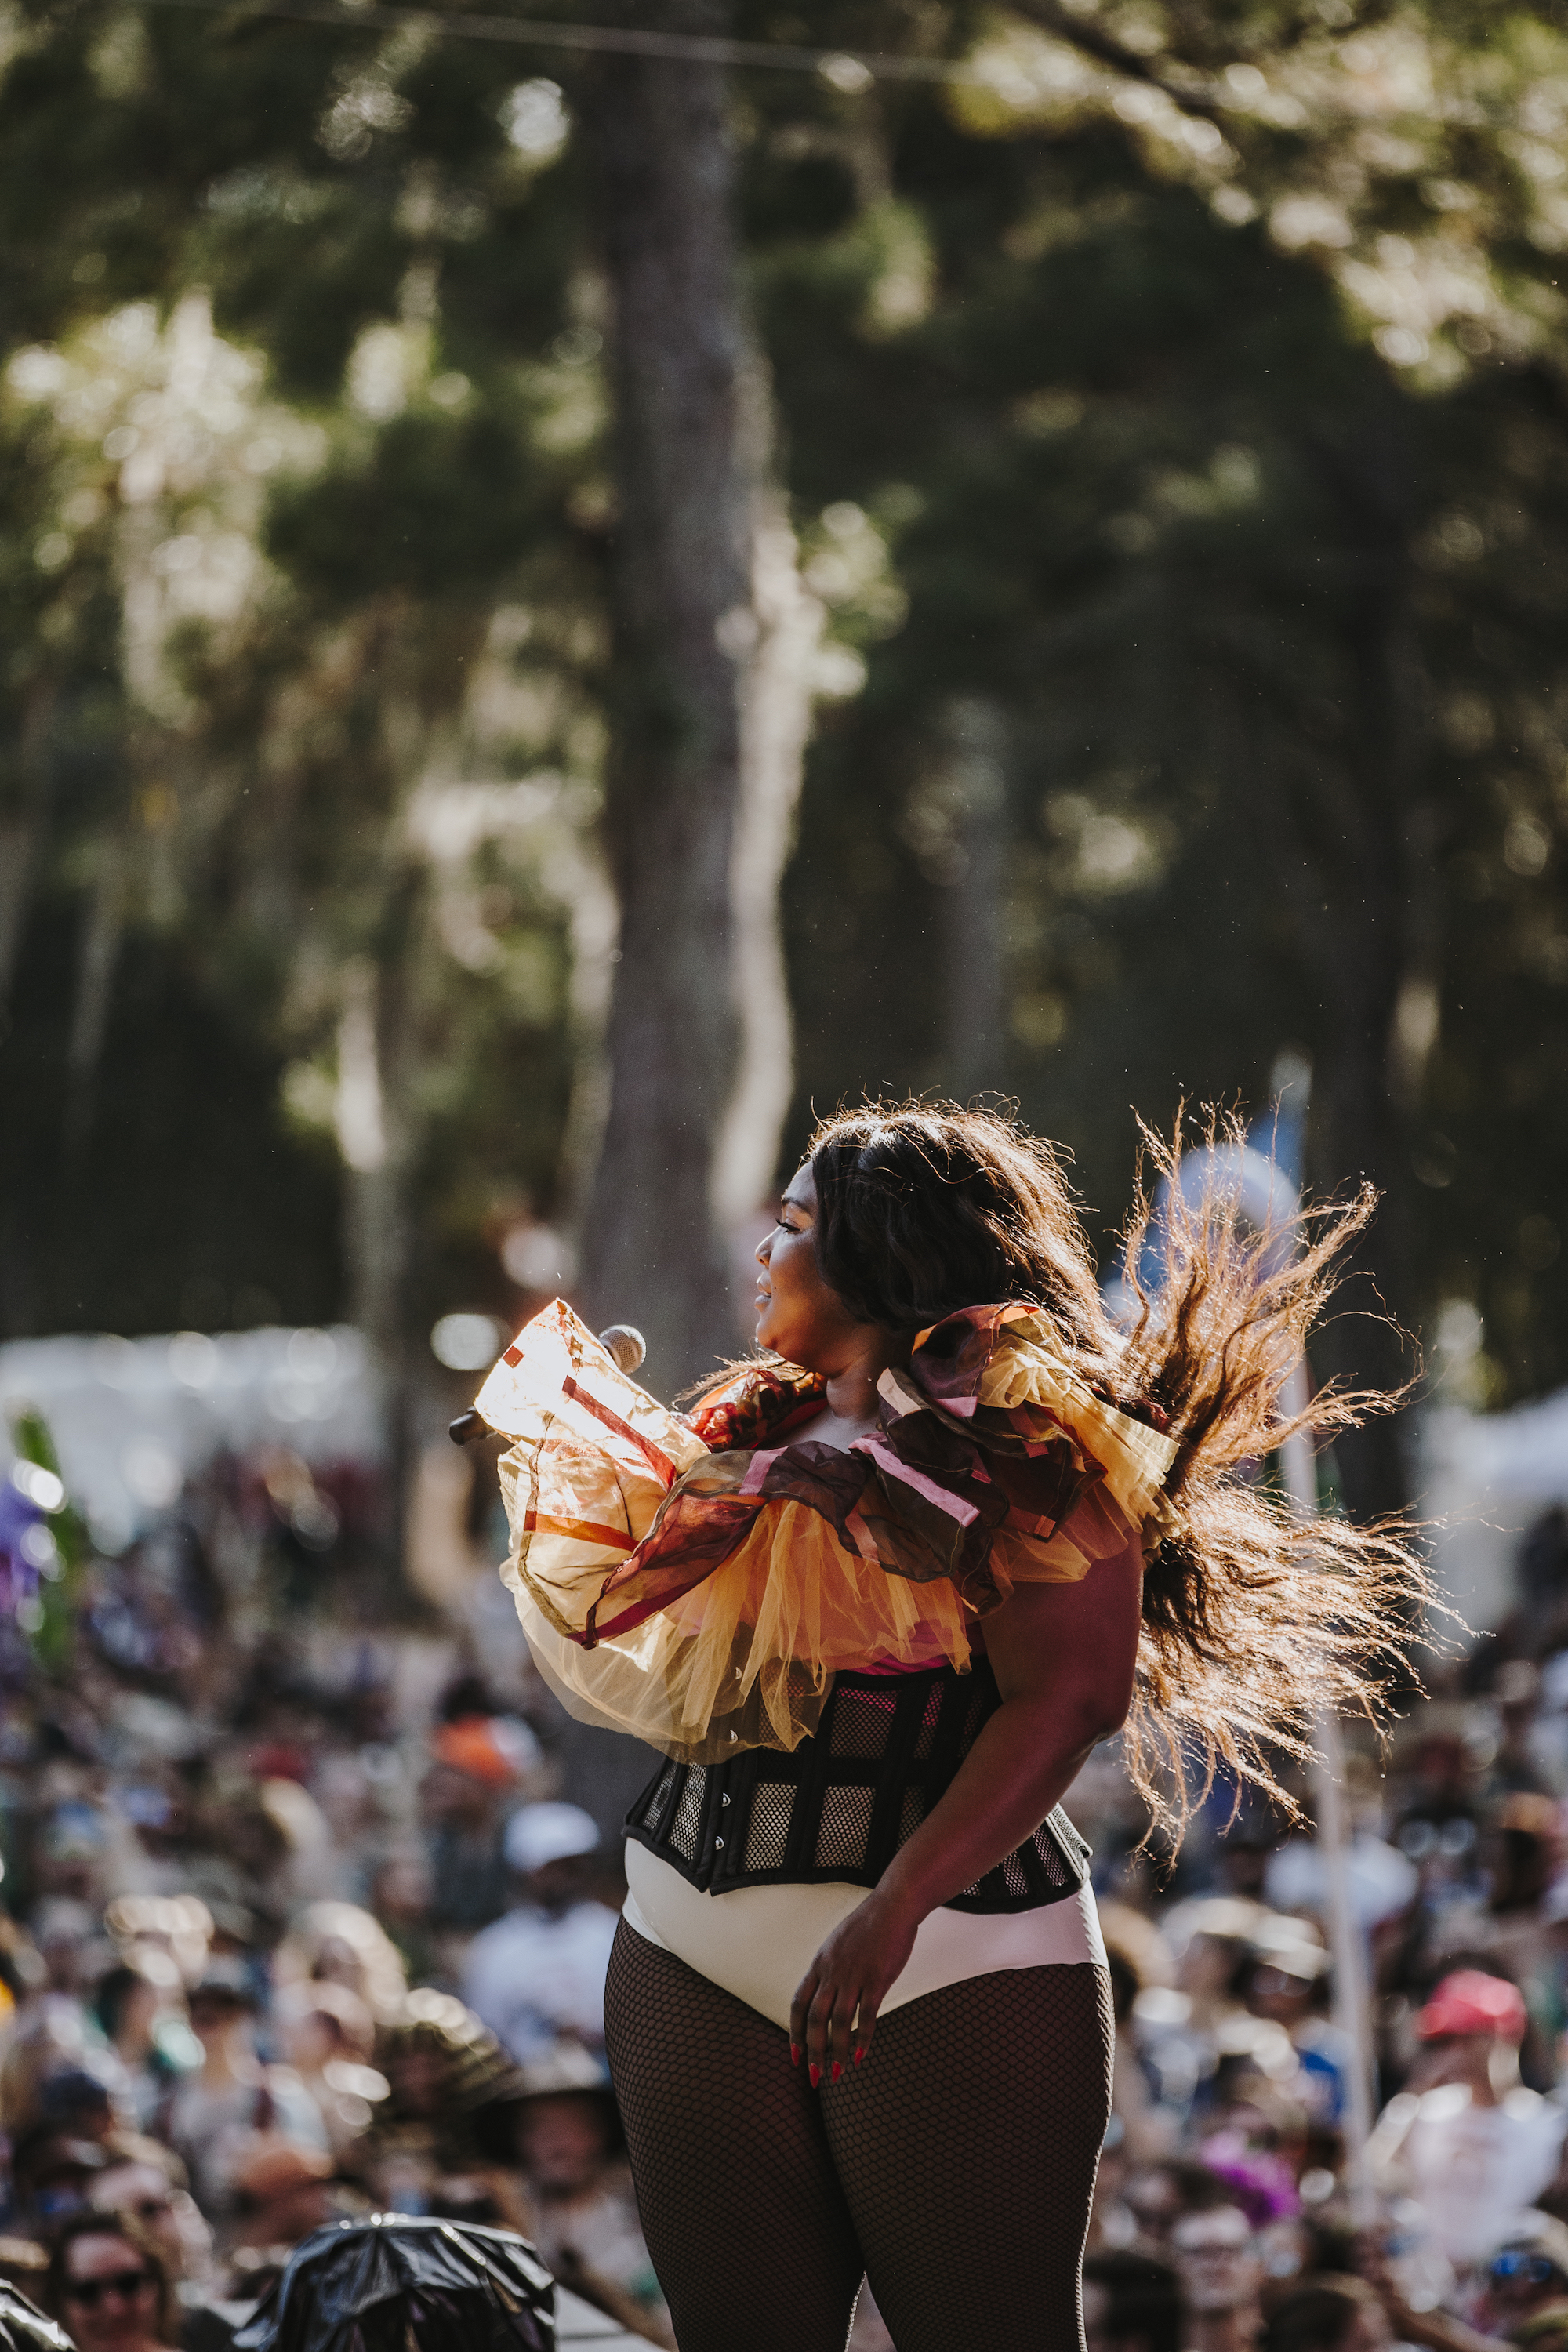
pixel 625 1344
pixel 626 1348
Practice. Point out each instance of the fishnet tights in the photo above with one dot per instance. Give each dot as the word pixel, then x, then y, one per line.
pixel 954 2168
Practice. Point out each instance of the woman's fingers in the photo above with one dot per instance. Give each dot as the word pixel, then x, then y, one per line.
pixel 836 2027
pixel 818 2028
pixel 838 2035
pixel 798 2008
pixel 833 2013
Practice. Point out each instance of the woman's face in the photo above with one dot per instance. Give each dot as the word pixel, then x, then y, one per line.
pixel 110 2295
pixel 799 1316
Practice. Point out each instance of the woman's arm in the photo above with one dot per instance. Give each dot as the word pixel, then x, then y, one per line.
pixel 1063 1656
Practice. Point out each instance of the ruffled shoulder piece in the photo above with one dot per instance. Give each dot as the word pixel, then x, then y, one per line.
pixel 699 1582
pixel 995 1372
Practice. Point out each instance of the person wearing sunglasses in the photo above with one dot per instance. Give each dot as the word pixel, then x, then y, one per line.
pixel 107 2288
pixel 1528 2271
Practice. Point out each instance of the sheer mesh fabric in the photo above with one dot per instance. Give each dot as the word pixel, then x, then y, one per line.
pixel 745 2220
pixel 828 1810
pixel 956 2166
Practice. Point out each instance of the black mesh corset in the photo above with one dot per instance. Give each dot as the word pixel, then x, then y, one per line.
pixel 843 1803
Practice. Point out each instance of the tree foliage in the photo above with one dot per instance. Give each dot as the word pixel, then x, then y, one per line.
pixel 1171 411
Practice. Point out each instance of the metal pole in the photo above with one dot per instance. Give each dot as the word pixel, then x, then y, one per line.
pixel 1353 2004
pixel 1265 1195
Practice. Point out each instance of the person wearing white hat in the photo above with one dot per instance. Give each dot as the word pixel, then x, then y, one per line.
pixel 537 1973
pixel 538 1835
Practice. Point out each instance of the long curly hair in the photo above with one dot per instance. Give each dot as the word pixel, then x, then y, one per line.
pixel 1256 1613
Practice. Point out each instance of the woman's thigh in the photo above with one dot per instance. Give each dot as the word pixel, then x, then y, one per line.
pixel 967 2145
pixel 741 2206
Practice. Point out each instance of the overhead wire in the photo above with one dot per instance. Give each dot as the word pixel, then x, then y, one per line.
pixel 849 70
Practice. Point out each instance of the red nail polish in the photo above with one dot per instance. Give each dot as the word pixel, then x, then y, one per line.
pixel 838 2069
pixel 795 2054
pixel 859 2055
pixel 815 2076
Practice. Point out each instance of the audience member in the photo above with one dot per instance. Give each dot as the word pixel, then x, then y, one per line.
pixel 1131 2302
pixel 479 1763
pixel 1222 2273
pixel 140 2009
pixel 217 2114
pixel 1466 2138
pixel 148 2194
pixel 328 2036
pixel 538 1972
pixel 108 2288
pixel 579 2189
pixel 1328 2315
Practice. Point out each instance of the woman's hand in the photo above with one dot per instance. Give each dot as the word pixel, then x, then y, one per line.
pixel 850 1974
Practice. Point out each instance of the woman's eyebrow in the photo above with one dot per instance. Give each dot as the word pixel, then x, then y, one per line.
pixel 790 1200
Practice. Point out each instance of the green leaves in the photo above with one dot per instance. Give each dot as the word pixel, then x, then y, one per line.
pixel 427 505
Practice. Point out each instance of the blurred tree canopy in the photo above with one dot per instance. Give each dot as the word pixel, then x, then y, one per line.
pixel 1168 405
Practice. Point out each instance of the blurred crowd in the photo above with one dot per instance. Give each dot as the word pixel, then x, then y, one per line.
pixel 303 1919
pixel 298 1923
pixel 1232 2212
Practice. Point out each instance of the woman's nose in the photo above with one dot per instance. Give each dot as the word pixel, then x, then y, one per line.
pixel 764 1249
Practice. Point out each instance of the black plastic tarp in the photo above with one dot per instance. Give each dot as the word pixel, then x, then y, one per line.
pixel 394 2283
pixel 23 2326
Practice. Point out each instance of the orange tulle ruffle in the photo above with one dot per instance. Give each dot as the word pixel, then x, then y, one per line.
pixel 699 1582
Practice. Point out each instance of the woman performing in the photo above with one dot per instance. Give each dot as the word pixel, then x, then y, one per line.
pixel 875 1598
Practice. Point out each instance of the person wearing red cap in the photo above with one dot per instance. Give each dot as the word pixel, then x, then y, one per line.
pixel 1466 2138
pixel 1469 2007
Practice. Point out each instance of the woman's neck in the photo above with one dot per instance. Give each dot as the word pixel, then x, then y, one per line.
pixel 852 1390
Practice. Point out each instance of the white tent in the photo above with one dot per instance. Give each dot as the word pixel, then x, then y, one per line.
pixel 1484 1477
pixel 133 1418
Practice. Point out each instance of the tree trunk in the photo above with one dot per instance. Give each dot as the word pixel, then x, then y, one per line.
pixel 103 936
pixel 655 1251
pixel 775 720
pixel 22 829
pixel 956 821
pixel 377 1063
pixel 971 904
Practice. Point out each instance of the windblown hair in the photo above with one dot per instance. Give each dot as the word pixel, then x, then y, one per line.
pixel 1256 1611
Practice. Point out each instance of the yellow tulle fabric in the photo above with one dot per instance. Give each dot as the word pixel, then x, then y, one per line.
pixel 683 1595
